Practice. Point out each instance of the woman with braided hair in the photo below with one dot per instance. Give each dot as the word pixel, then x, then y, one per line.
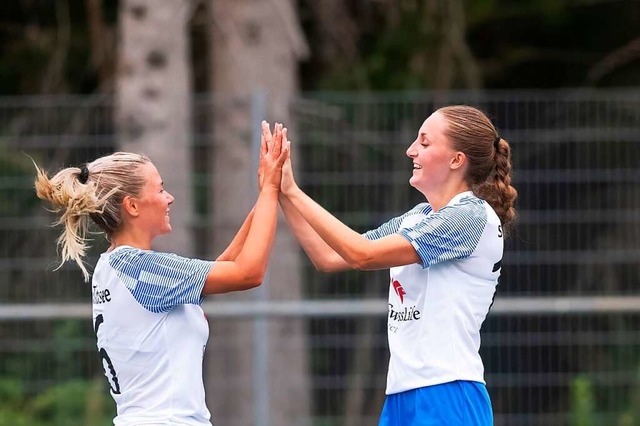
pixel 151 331
pixel 444 257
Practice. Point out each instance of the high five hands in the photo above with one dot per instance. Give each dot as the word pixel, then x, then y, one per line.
pixel 274 154
pixel 275 143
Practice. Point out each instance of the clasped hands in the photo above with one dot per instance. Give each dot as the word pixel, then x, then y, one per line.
pixel 274 167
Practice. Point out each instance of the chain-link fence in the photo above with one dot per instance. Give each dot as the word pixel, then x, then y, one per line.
pixel 560 345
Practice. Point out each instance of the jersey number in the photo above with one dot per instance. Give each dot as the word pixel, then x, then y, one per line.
pixel 109 371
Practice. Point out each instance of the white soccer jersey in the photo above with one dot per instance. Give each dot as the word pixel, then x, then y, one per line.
pixel 151 335
pixel 436 308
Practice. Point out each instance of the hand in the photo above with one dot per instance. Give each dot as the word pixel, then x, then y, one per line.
pixel 265 140
pixel 273 153
pixel 287 183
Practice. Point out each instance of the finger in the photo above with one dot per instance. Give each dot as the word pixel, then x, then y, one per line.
pixel 277 129
pixel 282 141
pixel 266 133
pixel 266 130
pixel 263 146
pixel 285 154
pixel 277 141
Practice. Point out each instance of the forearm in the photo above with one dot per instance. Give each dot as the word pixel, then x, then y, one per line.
pixel 323 257
pixel 231 252
pixel 347 243
pixel 254 253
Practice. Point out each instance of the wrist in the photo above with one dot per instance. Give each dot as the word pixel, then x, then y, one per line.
pixel 291 191
pixel 269 189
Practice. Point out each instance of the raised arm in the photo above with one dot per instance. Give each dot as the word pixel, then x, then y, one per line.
pixel 249 257
pixel 234 248
pixel 331 244
pixel 323 257
pixel 231 252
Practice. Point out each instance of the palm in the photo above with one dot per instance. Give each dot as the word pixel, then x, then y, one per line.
pixel 287 182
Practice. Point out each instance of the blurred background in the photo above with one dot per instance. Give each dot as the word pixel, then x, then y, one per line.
pixel 188 82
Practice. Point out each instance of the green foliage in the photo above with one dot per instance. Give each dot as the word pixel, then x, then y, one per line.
pixel 406 45
pixel 36 35
pixel 397 44
pixel 589 410
pixel 12 404
pixel 631 416
pixel 17 171
pixel 73 403
pixel 582 402
pixel 11 391
pixel 10 417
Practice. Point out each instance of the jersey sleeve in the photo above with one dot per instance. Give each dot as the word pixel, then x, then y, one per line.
pixel 161 281
pixel 453 232
pixel 392 226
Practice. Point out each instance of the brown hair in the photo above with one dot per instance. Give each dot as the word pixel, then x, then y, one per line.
pixel 97 195
pixel 489 173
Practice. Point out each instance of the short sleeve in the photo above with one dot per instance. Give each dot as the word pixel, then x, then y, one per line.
pixel 160 281
pixel 453 232
pixel 392 226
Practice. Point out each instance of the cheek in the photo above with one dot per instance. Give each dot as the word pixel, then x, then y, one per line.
pixel 439 158
pixel 435 165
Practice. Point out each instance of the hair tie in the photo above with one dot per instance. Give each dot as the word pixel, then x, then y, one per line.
pixel 496 142
pixel 84 174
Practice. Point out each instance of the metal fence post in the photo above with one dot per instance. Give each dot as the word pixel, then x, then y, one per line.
pixel 260 328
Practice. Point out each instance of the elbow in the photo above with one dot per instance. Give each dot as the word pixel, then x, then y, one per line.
pixel 253 284
pixel 330 265
pixel 324 268
pixel 359 266
pixel 253 281
pixel 361 262
pixel 250 274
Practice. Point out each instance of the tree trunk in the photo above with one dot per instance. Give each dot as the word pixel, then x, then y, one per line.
pixel 153 104
pixel 255 47
pixel 102 46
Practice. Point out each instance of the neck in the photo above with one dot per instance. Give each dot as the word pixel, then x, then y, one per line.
pixel 130 238
pixel 442 196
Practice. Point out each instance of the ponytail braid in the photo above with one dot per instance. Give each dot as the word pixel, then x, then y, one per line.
pixel 489 156
pixel 497 189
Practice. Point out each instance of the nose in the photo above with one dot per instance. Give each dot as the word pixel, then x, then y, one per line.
pixel 411 151
pixel 171 199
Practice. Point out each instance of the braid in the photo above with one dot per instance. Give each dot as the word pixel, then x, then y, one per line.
pixel 497 189
pixel 489 172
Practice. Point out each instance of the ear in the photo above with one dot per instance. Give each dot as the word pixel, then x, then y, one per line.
pixel 130 206
pixel 458 160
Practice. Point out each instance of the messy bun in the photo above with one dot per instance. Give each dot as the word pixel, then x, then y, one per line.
pixel 93 191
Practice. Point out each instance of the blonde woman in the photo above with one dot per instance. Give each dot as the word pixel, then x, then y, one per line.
pixel 151 330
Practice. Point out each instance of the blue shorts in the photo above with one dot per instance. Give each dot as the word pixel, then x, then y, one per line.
pixel 459 403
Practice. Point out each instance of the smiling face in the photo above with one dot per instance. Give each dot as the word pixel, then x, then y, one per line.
pixel 433 158
pixel 153 203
